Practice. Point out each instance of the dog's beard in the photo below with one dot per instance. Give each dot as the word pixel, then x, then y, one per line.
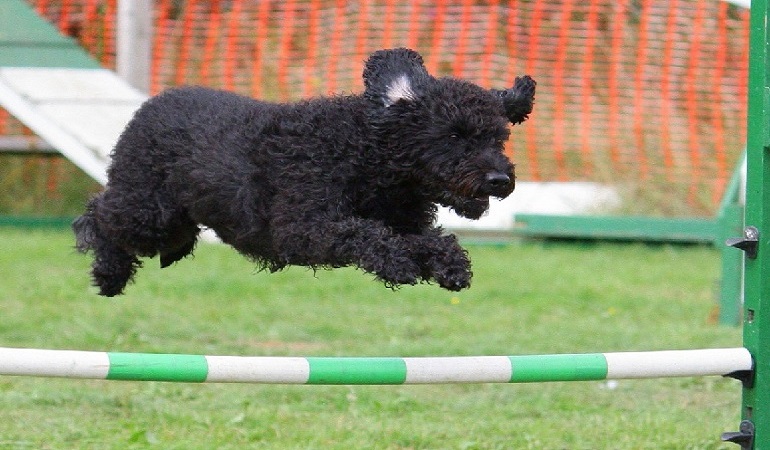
pixel 473 208
pixel 468 207
pixel 471 201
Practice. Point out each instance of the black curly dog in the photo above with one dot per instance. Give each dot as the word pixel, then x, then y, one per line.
pixel 326 182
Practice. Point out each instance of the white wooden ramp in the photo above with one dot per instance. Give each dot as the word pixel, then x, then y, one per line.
pixel 54 87
pixel 80 112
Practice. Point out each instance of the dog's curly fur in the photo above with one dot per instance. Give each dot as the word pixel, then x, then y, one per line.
pixel 327 182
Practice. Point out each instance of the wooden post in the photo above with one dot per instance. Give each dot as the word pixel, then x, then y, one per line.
pixel 134 42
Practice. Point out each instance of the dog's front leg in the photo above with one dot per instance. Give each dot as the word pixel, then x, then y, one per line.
pixel 443 259
pixel 367 244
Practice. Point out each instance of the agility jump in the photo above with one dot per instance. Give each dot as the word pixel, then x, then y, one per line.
pixel 373 370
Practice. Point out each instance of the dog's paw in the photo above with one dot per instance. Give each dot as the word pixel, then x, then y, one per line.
pixel 452 271
pixel 454 280
pixel 391 266
pixel 397 275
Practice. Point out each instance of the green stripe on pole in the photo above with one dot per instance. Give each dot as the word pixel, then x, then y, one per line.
pixel 539 368
pixel 157 367
pixel 357 371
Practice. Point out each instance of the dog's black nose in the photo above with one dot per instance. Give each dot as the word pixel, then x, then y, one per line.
pixel 497 180
pixel 497 184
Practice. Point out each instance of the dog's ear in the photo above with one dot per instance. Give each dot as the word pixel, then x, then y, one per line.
pixel 518 100
pixel 393 75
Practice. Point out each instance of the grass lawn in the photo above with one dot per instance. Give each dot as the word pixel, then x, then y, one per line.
pixel 526 298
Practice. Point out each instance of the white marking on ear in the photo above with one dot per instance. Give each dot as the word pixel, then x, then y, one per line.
pixel 401 89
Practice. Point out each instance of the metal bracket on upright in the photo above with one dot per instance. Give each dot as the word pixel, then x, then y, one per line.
pixel 746 377
pixel 744 437
pixel 749 243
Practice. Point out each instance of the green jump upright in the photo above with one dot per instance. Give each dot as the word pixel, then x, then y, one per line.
pixel 756 320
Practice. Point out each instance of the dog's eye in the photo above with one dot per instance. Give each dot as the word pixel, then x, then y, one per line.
pixel 454 136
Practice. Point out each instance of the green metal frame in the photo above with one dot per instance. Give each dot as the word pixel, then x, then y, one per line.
pixel 756 324
pixel 35 222
pixel 616 228
pixel 730 224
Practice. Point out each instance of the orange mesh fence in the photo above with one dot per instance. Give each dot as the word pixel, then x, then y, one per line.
pixel 648 95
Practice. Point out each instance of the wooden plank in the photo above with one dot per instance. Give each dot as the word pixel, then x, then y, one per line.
pixel 70 84
pixel 25 145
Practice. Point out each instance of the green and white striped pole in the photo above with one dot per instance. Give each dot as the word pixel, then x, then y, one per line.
pixel 374 370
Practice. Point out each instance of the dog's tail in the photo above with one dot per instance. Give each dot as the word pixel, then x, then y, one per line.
pixel 113 266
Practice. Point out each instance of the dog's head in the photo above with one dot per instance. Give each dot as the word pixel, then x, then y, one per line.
pixel 449 134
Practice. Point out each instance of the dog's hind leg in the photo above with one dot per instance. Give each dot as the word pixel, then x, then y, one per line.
pixel 113 267
pixel 147 222
pixel 184 244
